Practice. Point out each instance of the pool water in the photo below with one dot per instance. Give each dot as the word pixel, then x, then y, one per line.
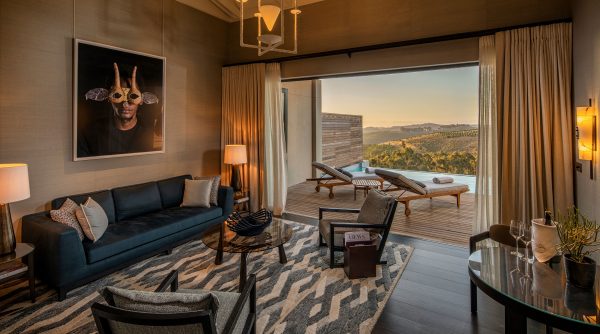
pixel 421 176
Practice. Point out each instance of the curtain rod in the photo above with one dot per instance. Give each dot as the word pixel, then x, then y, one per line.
pixel 426 40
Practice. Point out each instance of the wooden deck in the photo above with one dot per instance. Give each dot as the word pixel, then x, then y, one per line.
pixel 438 219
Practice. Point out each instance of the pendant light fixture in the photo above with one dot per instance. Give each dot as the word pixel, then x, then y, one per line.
pixel 269 38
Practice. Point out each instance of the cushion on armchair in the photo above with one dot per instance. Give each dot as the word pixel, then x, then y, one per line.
pixel 375 208
pixel 227 301
pixel 159 302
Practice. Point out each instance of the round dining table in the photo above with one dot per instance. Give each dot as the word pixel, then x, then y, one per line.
pixel 537 290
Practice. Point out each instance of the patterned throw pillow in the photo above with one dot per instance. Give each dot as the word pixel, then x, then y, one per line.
pixel 214 190
pixel 92 218
pixel 66 215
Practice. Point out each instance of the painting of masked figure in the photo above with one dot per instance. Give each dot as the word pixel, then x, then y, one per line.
pixel 119 99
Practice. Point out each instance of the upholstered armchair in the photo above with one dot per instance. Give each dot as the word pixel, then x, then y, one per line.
pixel 375 216
pixel 177 310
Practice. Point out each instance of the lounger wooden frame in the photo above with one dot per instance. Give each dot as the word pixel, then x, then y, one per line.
pixel 406 199
pixel 398 182
pixel 328 182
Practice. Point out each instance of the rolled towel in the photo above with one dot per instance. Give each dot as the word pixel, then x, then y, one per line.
pixel 369 170
pixel 443 179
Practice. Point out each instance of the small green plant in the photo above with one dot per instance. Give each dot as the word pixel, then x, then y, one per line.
pixel 578 235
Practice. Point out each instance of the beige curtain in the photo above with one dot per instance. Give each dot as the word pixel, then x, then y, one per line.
pixel 486 191
pixel 275 159
pixel 535 126
pixel 243 104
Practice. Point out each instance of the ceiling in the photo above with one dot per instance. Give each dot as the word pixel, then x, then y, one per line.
pixel 229 10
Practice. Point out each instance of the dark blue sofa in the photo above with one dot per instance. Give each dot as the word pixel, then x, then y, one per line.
pixel 144 220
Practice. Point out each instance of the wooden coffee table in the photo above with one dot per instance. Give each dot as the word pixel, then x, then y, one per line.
pixel 222 239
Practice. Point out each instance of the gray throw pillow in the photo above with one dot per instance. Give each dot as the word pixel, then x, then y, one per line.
pixel 197 193
pixel 375 208
pixel 66 215
pixel 92 218
pixel 214 190
pixel 159 302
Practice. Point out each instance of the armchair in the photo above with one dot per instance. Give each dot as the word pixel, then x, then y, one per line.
pixel 236 312
pixel 375 216
pixel 499 233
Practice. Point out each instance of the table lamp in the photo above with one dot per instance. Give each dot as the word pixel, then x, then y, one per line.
pixel 235 155
pixel 14 187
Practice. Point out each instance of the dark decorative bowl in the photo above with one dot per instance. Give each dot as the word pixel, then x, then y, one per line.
pixel 251 225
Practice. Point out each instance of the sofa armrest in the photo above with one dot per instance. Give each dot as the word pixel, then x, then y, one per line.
pixel 225 200
pixel 59 253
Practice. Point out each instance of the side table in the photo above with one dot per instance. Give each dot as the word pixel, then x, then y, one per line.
pixel 366 184
pixel 241 203
pixel 11 268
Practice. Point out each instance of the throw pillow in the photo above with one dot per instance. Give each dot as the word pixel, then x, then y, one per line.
pixel 375 208
pixel 159 302
pixel 92 218
pixel 214 190
pixel 66 215
pixel 197 193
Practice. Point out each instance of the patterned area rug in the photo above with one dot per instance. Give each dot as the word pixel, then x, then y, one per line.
pixel 302 296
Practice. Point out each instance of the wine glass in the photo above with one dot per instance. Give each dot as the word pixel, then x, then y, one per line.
pixel 526 237
pixel 516 231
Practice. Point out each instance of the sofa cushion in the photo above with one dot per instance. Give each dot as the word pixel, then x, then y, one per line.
pixel 102 197
pixel 171 190
pixel 131 233
pixel 136 200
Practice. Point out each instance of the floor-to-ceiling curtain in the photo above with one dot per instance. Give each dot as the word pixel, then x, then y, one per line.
pixel 486 192
pixel 243 110
pixel 535 121
pixel 275 156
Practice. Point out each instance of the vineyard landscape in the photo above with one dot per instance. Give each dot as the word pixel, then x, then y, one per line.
pixel 423 147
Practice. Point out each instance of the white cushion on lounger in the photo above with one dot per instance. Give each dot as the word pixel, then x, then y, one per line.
pixel 432 188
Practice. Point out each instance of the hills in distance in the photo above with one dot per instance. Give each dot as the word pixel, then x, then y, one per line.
pixel 378 135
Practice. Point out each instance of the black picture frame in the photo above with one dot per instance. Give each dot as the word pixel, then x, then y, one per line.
pixel 111 122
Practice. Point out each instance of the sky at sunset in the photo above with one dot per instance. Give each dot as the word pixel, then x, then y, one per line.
pixel 443 96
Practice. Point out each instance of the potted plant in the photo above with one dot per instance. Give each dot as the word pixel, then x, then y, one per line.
pixel 578 239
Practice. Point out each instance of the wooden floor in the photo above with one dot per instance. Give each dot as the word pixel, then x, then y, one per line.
pixel 438 219
pixel 432 295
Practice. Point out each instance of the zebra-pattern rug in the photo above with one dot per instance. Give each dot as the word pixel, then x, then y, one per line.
pixel 302 296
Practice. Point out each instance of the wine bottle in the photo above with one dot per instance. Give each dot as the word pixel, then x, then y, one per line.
pixel 547 217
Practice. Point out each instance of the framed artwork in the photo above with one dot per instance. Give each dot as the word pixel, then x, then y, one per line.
pixel 118 102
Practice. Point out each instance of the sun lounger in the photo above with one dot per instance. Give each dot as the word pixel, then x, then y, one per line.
pixel 334 178
pixel 400 182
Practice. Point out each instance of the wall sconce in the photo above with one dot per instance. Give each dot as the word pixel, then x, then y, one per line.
pixel 586 135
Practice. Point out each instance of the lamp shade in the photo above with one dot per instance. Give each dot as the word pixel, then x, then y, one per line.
pixel 235 154
pixel 14 183
pixel 269 13
pixel 586 125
